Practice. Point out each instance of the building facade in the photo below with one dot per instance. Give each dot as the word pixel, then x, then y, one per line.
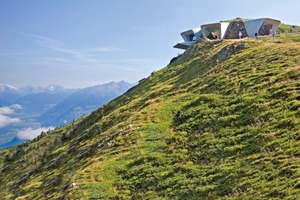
pixel 228 30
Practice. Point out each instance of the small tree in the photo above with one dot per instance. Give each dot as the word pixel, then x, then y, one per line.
pixel 64 137
pixel 7 158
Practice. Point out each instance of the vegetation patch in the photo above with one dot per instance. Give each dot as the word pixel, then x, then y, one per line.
pixel 221 121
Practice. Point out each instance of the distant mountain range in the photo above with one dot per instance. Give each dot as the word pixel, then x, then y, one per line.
pixel 82 102
pixel 8 93
pixel 50 106
pixel 13 142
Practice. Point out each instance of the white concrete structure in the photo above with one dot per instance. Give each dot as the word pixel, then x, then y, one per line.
pixel 189 38
pixel 252 26
pixel 215 30
pixel 261 26
pixel 219 30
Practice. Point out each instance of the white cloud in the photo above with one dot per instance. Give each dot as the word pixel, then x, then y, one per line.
pixel 30 133
pixel 83 55
pixel 6 111
pixel 5 120
pixel 16 106
pixel 105 49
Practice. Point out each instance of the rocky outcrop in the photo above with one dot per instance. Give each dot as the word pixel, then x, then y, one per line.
pixel 230 49
pixel 234 28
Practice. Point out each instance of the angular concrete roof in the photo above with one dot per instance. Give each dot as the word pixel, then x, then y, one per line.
pixel 189 38
pixel 220 27
pixel 254 25
pixel 218 30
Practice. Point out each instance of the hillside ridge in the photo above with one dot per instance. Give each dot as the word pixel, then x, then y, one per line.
pixel 221 121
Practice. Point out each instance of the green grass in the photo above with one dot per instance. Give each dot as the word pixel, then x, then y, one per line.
pixel 202 128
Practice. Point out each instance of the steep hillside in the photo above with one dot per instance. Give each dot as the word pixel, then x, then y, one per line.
pixel 220 122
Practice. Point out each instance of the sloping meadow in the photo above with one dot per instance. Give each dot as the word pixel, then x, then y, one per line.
pixel 219 122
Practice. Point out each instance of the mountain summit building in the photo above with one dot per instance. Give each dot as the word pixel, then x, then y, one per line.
pixel 228 30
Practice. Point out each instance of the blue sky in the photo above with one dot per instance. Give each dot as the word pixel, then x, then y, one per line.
pixel 79 43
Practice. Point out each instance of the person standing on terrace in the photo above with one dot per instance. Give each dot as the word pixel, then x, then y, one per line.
pixel 240 34
pixel 273 34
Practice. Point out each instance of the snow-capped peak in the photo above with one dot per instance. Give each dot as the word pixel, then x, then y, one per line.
pixel 5 87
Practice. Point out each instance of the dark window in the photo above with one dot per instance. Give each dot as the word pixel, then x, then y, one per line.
pixel 191 37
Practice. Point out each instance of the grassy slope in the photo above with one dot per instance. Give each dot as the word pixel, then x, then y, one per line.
pixel 203 127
